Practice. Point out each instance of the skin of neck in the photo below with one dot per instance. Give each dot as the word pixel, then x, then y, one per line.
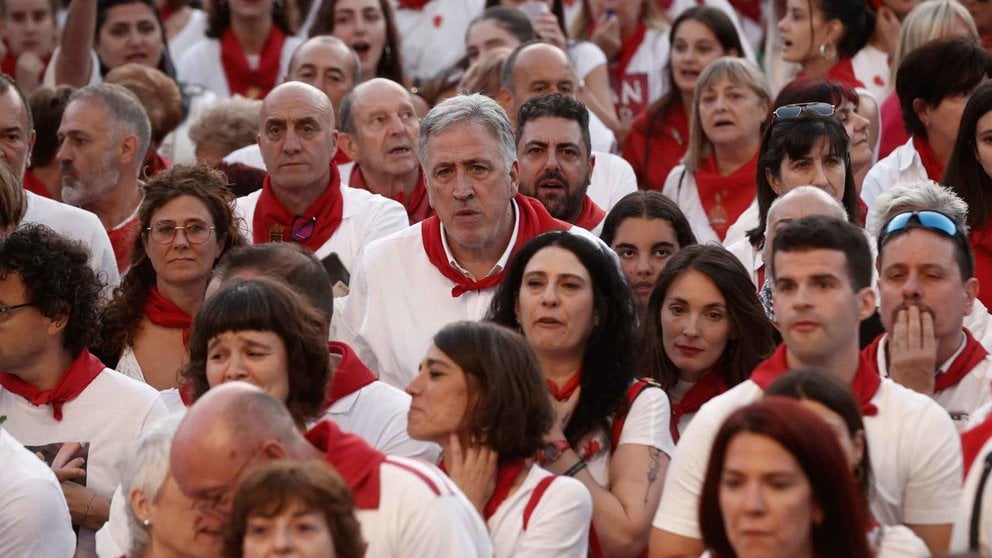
pixel 948 345
pixel 299 199
pixel 45 372
pixel 388 184
pixel 479 261
pixel 941 150
pixel 841 364
pixel 817 66
pixel 251 33
pixel 186 296
pixel 119 203
pixel 732 156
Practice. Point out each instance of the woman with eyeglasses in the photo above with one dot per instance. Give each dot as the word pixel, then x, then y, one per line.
pixel 715 182
pixel 186 226
pixel 934 84
pixel 969 175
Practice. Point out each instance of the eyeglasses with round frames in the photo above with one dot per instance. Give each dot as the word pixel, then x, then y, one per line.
pixel 197 232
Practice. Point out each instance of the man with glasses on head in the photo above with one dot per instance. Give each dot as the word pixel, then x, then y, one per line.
pixel 59 399
pixel 301 199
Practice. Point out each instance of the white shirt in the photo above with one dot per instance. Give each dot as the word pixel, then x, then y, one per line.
pixel 108 415
pixel 902 165
pixel 251 156
pixel 433 37
pixel 194 31
pixel 558 526
pixel 915 455
pixel 201 65
pixel 365 217
pixel 680 186
pixel 612 179
pixel 745 222
pixel 76 224
pixel 586 56
pixel 962 523
pixel 749 257
pixel 871 67
pixel 34 519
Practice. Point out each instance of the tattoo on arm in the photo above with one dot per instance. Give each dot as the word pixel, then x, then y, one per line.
pixel 655 455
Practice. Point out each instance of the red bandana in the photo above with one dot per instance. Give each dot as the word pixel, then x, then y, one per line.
pixel 708 387
pixel 534 220
pixel 724 198
pixel 935 169
pixel 241 79
pixel 592 215
pixel 356 461
pixel 972 354
pixel 80 374
pixel 843 72
pixel 350 376
pixel 864 386
pixel 35 186
pixel 164 313
pixel 122 241
pixel 565 391
pixel 418 207
pixel 272 222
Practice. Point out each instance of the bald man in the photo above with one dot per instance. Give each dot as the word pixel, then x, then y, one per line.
pixel 301 199
pixel 405 507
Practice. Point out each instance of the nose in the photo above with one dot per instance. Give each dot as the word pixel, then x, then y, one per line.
pixel 181 239
pixel 819 176
pixel 282 541
pixel 911 288
pixel 644 265
pixel 551 160
pixel 754 500
pixel 549 297
pixel 63 152
pixel 689 325
pixel 462 188
pixel 235 369
pixel 396 125
pixel 291 144
pixel 413 388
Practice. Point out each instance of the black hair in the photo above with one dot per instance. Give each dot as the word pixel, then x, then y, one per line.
pixel 558 106
pixel 819 232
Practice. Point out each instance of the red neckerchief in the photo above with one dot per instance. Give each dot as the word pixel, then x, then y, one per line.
pixel 164 313
pixel 970 356
pixel 708 387
pixel 565 391
pixel 356 461
pixel 864 386
pixel 534 220
pixel 350 376
pixel 592 215
pixel 76 378
pixel 241 79
pixel 972 441
pixel 411 4
pixel 506 473
pixel 733 192
pixel 122 241
pixel 35 186
pixel 628 47
pixel 935 169
pixel 843 72
pixel 9 63
pixel 154 164
pixel 272 221
pixel 418 207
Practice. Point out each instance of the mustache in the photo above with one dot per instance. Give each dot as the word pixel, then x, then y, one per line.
pixel 553 175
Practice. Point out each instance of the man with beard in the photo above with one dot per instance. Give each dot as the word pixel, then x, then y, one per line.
pixel 555 160
pixel 104 135
pixel 927 287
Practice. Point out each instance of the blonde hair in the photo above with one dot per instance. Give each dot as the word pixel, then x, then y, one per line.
pixel 650 15
pixel 929 20
pixel 739 71
pixel 13 200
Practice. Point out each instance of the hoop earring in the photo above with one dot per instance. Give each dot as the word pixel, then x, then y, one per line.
pixel 826 51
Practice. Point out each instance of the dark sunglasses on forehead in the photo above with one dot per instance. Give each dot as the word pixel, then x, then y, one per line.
pixel 926 219
pixel 790 112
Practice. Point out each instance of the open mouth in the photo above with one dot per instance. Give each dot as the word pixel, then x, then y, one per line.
pixel 361 48
pixel 722 123
pixel 401 150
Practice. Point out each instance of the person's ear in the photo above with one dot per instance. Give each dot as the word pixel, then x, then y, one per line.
pixel 773 181
pixel 971 287
pixel 866 303
pixel 346 142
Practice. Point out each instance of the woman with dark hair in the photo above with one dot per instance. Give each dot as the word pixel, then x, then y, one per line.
pixel 30 35
pixel 832 401
pixel 246 50
pixel 822 36
pixel 186 225
pixel 931 110
pixel 778 484
pixel 480 395
pixel 705 330
pixel 659 136
pixel 969 175
pixel 261 332
pixel 369 28
pixel 611 432
pixel 645 229
pixel 715 182
pixel 300 508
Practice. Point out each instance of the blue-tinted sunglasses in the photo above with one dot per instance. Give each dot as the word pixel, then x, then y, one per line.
pixel 927 219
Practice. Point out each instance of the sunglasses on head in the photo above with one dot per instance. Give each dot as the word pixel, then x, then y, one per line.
pixel 789 112
pixel 927 219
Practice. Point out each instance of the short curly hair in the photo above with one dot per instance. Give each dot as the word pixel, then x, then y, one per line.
pixel 58 281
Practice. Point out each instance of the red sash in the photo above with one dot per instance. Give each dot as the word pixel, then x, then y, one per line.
pixel 972 354
pixel 708 387
pixel 935 169
pixel 566 391
pixel 534 220
pixel 418 207
pixel 725 197
pixel 122 241
pixel 164 313
pixel 356 461
pixel 76 378
pixel 272 222
pixel 35 186
pixel 241 79
pixel 350 376
pixel 592 215
pixel 864 386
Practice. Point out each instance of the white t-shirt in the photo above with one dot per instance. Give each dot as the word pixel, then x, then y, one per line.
pixel 558 525
pixel 76 224
pixel 34 519
pixel 433 37
pixel 612 179
pixel 902 165
pixel 108 415
pixel 365 217
pixel 585 57
pixel 201 65
pixel 914 449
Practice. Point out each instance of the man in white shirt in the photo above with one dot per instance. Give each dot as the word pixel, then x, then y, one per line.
pixel 104 136
pixel 301 199
pixel 405 507
pixel 535 69
pixel 556 161
pixel 821 268
pixel 15 150
pixel 927 288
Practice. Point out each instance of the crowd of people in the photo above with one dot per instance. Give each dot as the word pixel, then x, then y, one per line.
pixel 547 278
